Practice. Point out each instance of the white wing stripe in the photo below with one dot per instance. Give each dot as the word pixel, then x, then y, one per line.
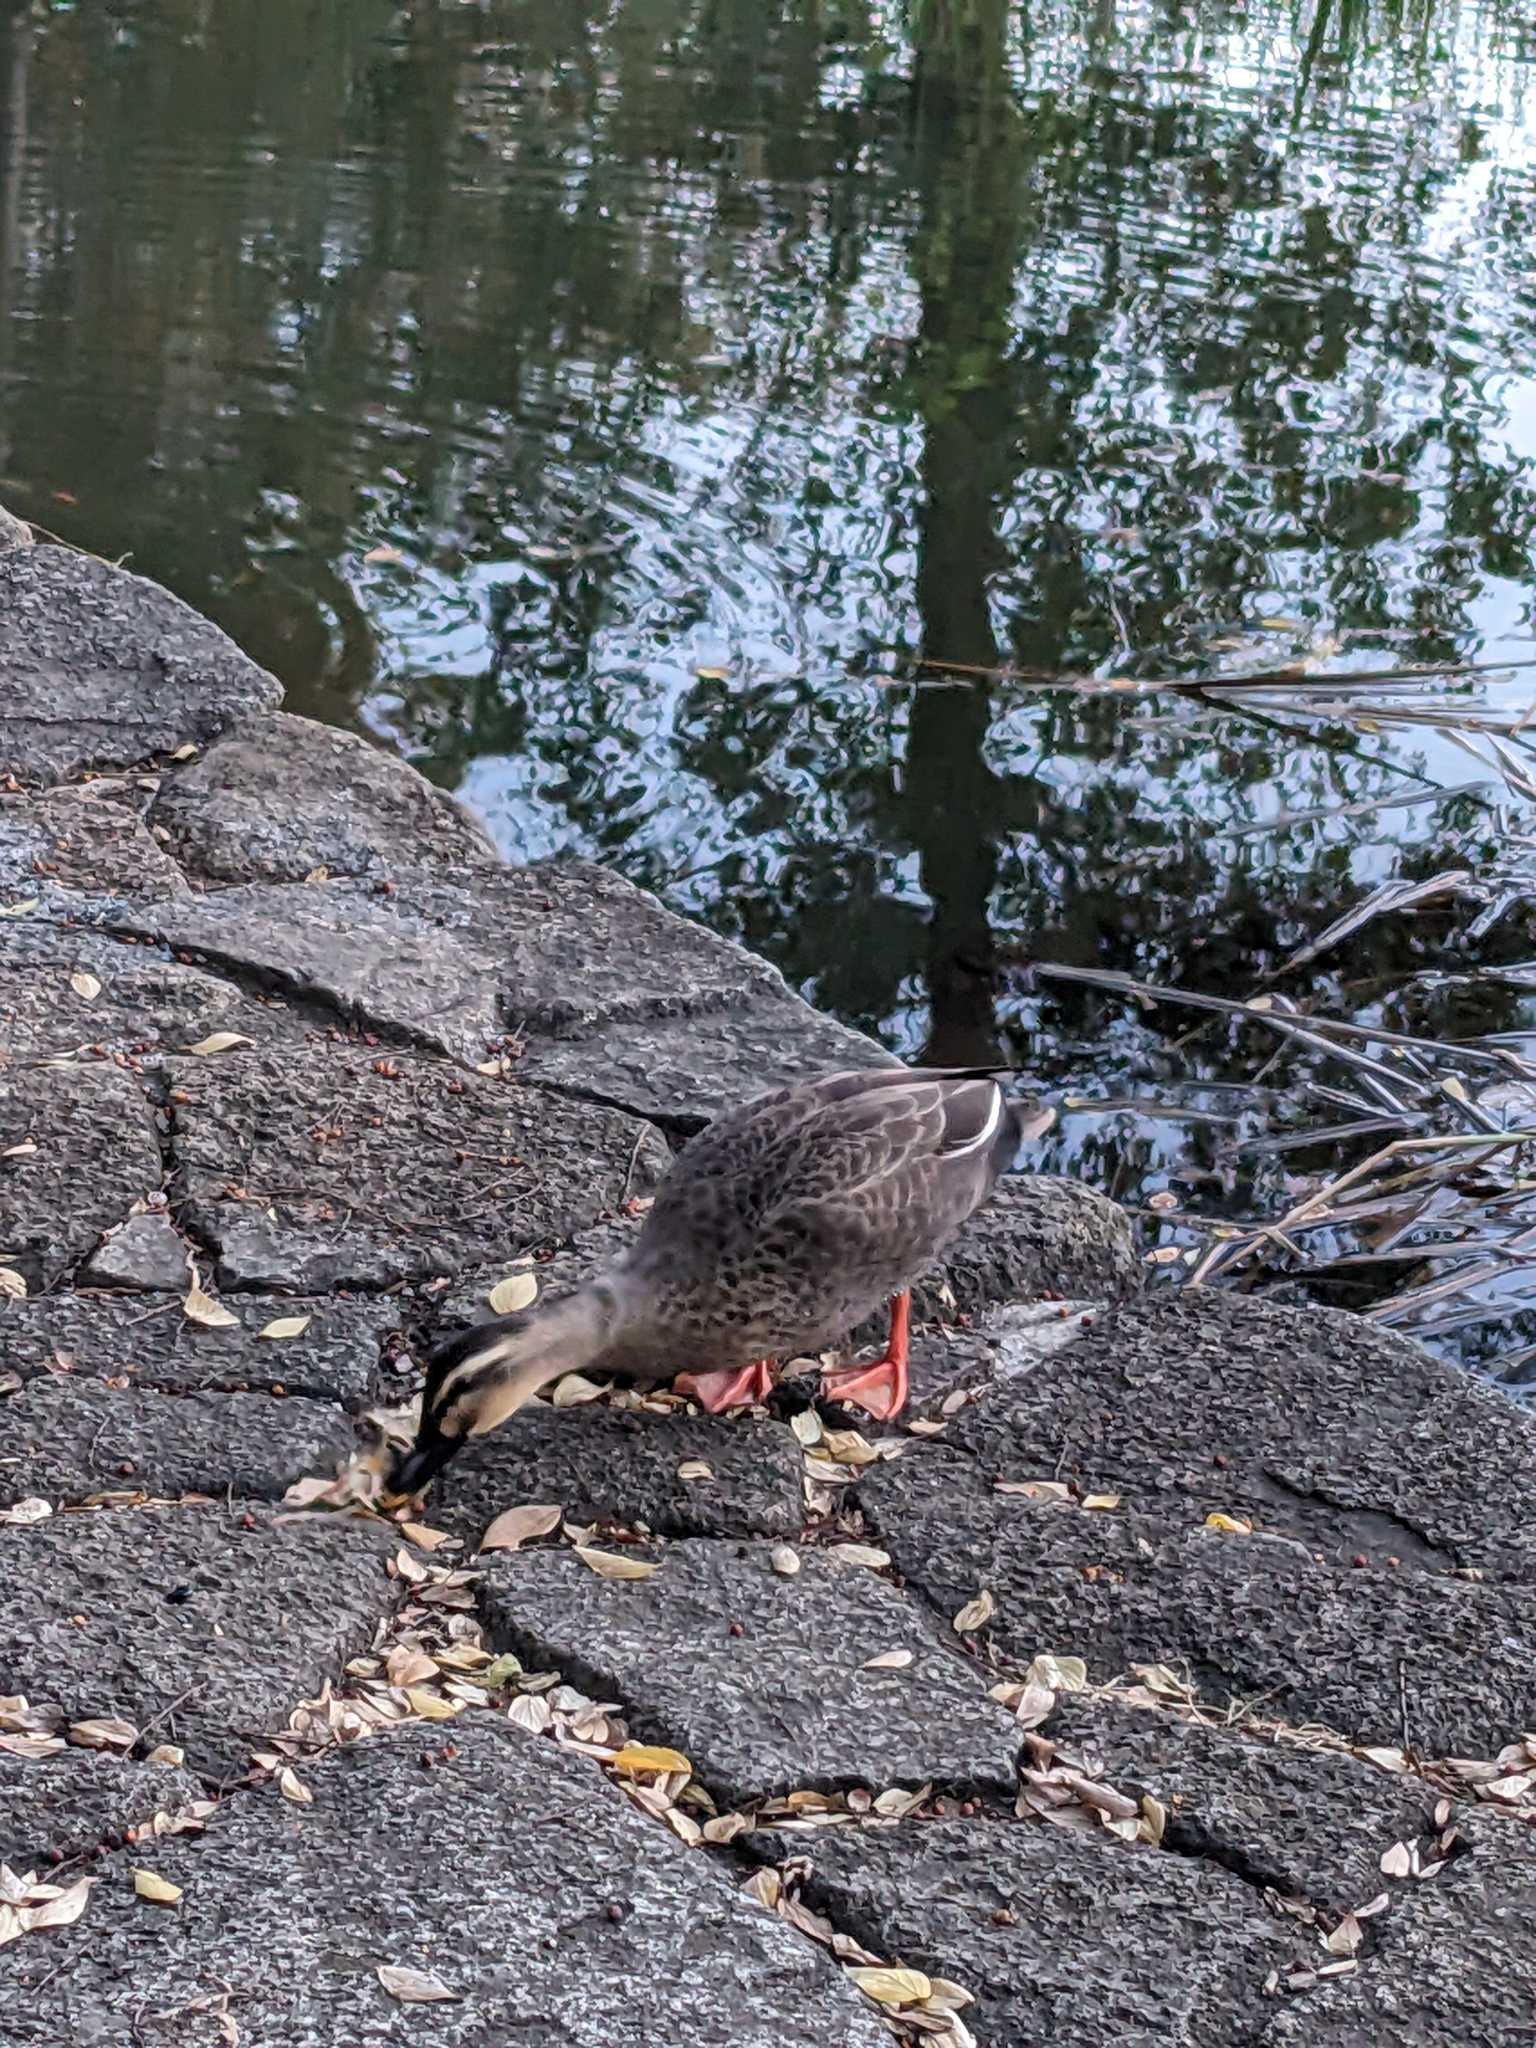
pixel 987 1132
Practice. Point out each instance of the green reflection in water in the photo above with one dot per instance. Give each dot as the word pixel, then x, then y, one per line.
pixel 691 369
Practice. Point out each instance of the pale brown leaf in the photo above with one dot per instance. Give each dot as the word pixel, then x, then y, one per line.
pixel 159 1891
pixel 513 1293
pixel 199 1307
pixel 516 1526
pixel 608 1565
pixel 220 1041
pixel 85 986
pixel 975 1613
pixel 415 1987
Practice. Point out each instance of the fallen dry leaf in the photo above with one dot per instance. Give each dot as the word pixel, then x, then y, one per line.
pixel 889 1660
pixel 1101 1500
pixel 23 1512
pixel 608 1565
pixel 1345 1938
pixel 1397 1861
pixel 695 1468
pixel 12 1286
pixel 517 1526
pixel 58 1905
pixel 293 1787
pixel 807 1427
pixel 785 1561
pixel 574 1391
pixel 532 1712
pixel 860 1553
pixel 85 986
pixel 975 1613
pixel 285 1326
pixel 103 1732
pixel 383 554
pixel 415 1987
pixel 513 1293
pixel 636 1759
pixel 158 1890
pixel 1231 1524
pixel 220 1041
pixel 1061 1674
pixel 425 1538
pixel 893 1987
pixel 199 1307
pixel 431 1706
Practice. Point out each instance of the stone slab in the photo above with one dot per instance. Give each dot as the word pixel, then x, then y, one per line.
pixel 64 1439
pixel 102 669
pixel 1308 1823
pixel 431 1170
pixel 338 1357
pixel 1311 1422
pixel 145 1253
pixel 596 989
pixel 560 1917
pixel 614 1467
pixel 1060 1938
pixel 1456 1964
pixel 279 796
pixel 187 1618
pixel 782 1703
pixel 147 1001
pixel 76 852
pixel 96 1154
pixel 405 964
pixel 1255 1623
pixel 78 1800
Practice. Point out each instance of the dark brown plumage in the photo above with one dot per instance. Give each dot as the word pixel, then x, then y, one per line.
pixel 779 1227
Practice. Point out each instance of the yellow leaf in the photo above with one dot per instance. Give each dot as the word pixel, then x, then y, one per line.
pixel 889 1660
pixel 21 909
pixel 158 1890
pixel 695 1468
pixel 860 1553
pixel 287 1326
pixel 185 753
pixel 1230 1524
pixel 103 1732
pixel 85 986
pixel 423 1537
pixel 607 1565
pixel 293 1787
pixel 383 554
pixel 1101 1500
pixel 61 1909
pixel 199 1307
pixel 635 1759
pixel 513 1293
pixel 430 1705
pixel 12 1286
pixel 893 1987
pixel 517 1526
pixel 220 1041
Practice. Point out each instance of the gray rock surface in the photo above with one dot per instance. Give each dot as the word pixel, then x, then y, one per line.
pixel 100 669
pixel 145 1252
pixel 74 1800
pixel 96 1154
pixel 279 796
pixel 66 1438
pixel 186 1618
pixel 148 1001
pixel 318 1166
pixel 759 1679
pixel 1309 1824
pixel 1457 1962
pixel 1307 1421
pixel 1065 1939
pixel 337 1357
pixel 1259 1627
pixel 559 1917
pixel 603 1465
pixel 597 989
pixel 76 852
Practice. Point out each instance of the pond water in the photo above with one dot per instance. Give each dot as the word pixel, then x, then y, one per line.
pixel 774 448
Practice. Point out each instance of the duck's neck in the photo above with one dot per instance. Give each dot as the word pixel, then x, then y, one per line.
pixel 568 1335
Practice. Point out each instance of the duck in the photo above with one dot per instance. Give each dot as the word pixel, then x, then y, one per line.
pixel 781 1225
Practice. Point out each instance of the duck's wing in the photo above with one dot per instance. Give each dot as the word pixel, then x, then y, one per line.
pixel 887 1160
